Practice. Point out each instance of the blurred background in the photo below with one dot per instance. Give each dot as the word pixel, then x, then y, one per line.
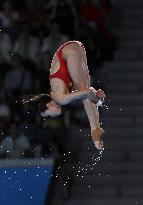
pixel 53 161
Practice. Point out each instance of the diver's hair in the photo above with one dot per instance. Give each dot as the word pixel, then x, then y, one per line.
pixel 38 102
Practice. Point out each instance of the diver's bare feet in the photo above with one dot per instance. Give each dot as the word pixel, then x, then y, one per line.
pixel 97 135
pixel 99 145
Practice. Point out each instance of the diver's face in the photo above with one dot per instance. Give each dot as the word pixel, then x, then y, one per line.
pixel 53 109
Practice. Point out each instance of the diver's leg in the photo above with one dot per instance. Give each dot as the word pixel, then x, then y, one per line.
pixel 80 76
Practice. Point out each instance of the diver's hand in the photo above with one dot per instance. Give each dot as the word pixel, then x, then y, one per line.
pixel 96 95
pixel 100 94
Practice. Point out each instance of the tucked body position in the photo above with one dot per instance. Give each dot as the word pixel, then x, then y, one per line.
pixel 70 81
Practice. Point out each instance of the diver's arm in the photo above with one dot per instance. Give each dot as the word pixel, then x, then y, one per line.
pixel 64 99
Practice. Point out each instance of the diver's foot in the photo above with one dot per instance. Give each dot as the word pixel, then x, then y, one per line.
pixel 99 145
pixel 97 135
